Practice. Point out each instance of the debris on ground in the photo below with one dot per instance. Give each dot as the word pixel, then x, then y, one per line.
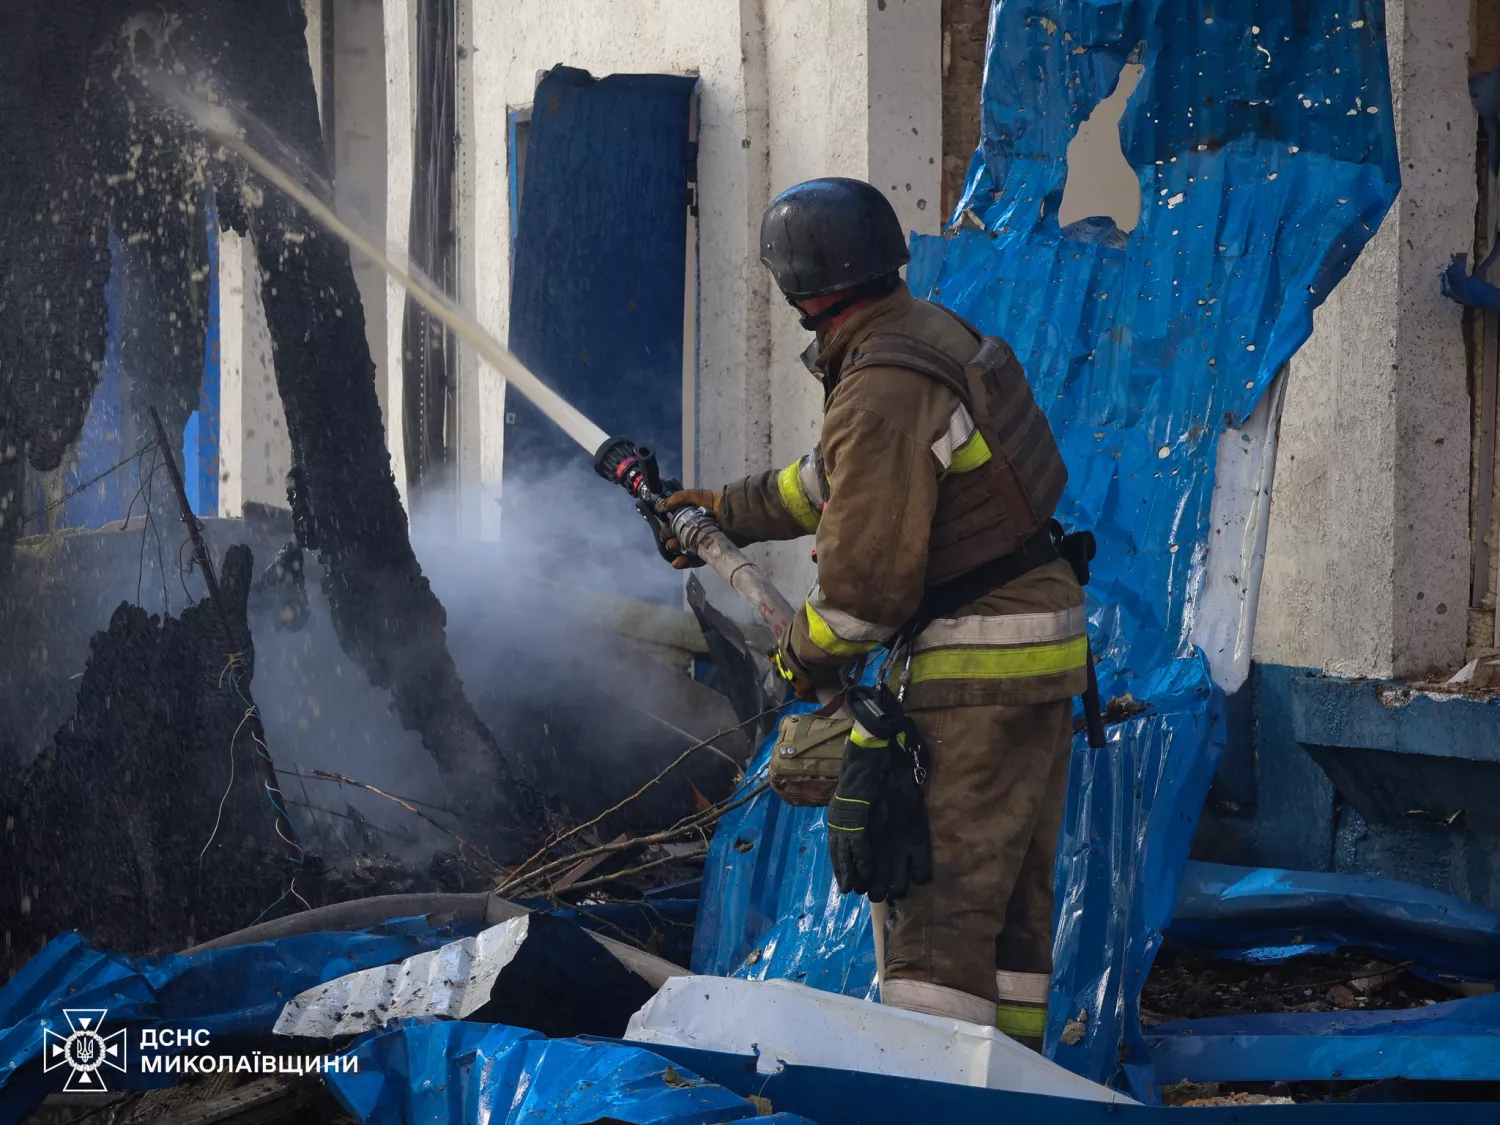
pixel 1186 986
pixel 1208 1094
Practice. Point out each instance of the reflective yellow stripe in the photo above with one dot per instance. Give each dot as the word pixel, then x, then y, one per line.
pixel 794 497
pixel 825 638
pixel 971 454
pixel 1021 1019
pixel 999 663
pixel 861 737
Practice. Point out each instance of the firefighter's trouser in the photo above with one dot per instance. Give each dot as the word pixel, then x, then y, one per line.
pixel 995 794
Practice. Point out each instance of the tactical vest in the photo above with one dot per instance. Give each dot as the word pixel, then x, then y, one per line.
pixel 1001 475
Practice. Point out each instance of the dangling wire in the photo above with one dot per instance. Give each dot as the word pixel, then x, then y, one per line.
pixel 27 517
pixel 220 814
pixel 232 673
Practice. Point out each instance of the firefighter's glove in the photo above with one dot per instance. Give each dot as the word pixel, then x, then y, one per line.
pixel 708 499
pixel 903 849
pixel 852 814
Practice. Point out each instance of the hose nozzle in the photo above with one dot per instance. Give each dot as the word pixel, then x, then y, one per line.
pixel 633 467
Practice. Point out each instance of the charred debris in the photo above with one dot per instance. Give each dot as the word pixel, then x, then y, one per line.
pixel 138 799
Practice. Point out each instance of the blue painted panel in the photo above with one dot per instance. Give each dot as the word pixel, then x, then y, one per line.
pixel 1295 800
pixel 600 258
pixel 1267 914
pixel 1384 715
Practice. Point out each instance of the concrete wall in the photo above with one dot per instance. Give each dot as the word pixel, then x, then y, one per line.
pixel 1367 567
pixel 254 451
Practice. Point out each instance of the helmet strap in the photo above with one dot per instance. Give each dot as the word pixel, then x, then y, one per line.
pixel 875 287
pixel 817 320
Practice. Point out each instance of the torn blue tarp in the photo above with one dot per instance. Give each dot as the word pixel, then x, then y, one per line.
pixel 1266 914
pixel 1262 139
pixel 223 993
pixel 1453 1042
pixel 442 1072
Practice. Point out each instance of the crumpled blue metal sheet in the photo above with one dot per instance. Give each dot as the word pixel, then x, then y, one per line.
pixel 1262 138
pixel 444 1072
pixel 1453 1042
pixel 1267 914
pixel 224 992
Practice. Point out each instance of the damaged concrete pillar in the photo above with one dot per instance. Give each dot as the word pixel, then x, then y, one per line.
pixel 1368 563
pixel 254 452
pixel 874 112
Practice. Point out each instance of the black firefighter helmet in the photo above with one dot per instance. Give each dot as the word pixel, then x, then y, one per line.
pixel 826 236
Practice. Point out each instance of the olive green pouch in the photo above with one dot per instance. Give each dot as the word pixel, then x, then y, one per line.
pixel 806 759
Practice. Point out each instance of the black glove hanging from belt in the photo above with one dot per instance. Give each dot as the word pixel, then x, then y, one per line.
pixel 877 822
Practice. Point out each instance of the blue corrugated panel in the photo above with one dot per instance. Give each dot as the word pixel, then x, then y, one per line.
pixel 450 1072
pixel 1267 914
pixel 1261 134
pixel 1453 1042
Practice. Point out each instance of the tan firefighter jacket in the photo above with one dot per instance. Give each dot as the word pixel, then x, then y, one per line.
pixel 905 490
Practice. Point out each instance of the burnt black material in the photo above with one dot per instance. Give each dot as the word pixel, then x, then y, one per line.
pixel 70 112
pixel 103 831
pixel 562 982
pixel 825 236
pixel 384 611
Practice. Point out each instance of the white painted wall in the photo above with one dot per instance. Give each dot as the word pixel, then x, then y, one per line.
pixel 400 128
pixel 254 451
pixel 1367 565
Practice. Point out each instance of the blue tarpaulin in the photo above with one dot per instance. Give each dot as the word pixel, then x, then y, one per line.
pixel 1262 139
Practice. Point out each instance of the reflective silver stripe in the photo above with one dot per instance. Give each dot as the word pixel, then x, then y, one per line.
pixel 810 473
pixel 845 626
pixel 1022 988
pixel 960 429
pixel 1003 629
pixel 936 1000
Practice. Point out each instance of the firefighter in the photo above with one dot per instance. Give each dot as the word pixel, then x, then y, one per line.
pixel 931 494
